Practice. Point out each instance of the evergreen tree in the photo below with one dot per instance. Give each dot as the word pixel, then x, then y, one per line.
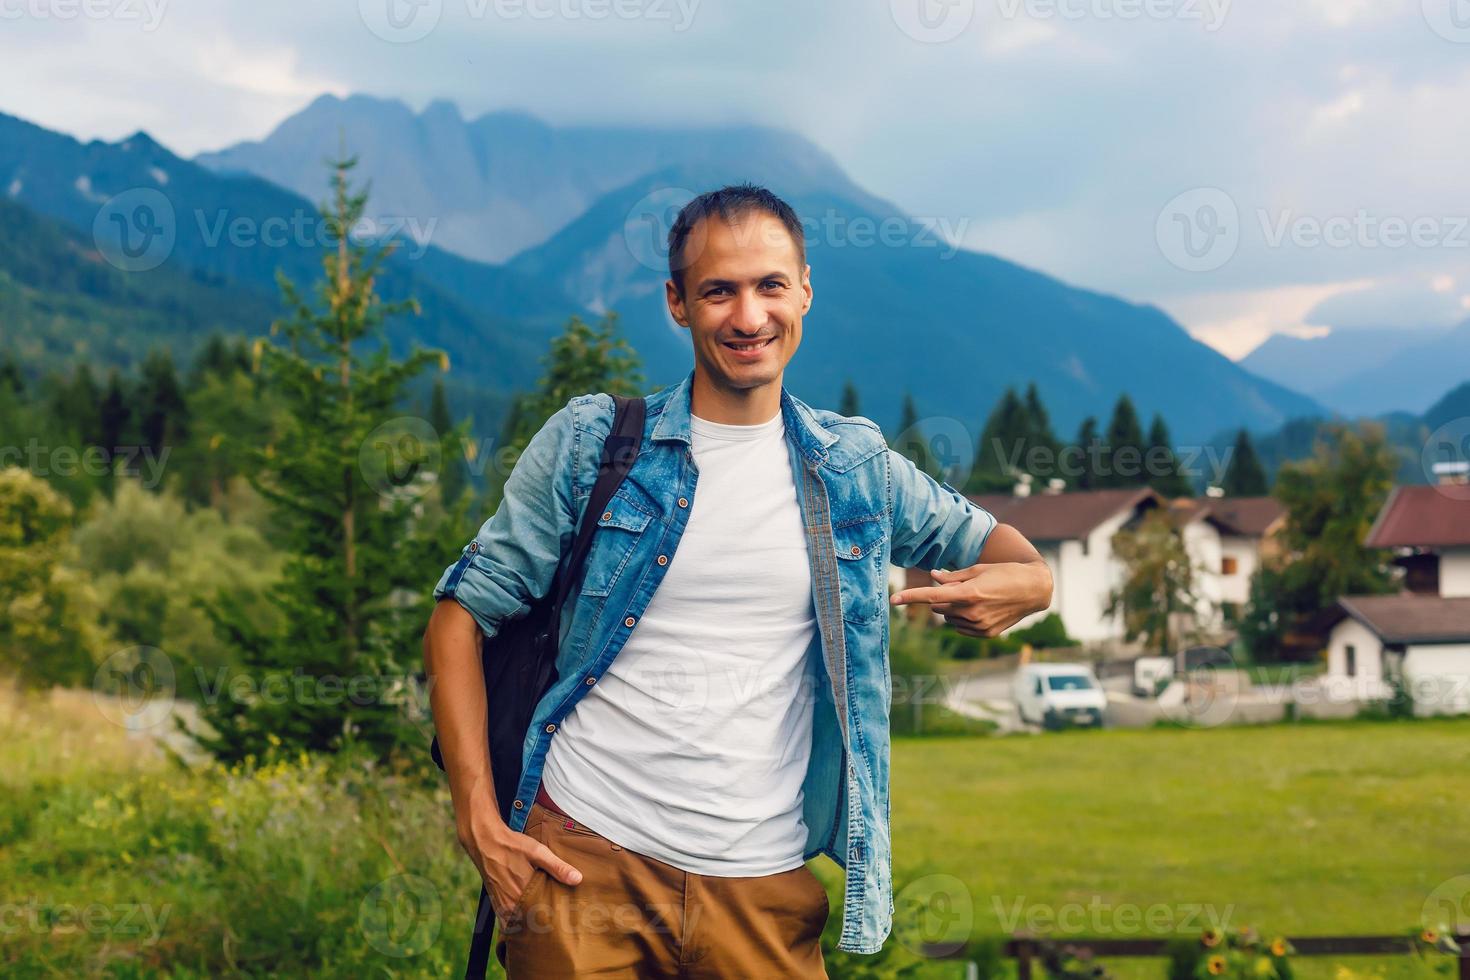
pixel 1244 476
pixel 114 426
pixel 11 378
pixel 1086 456
pixel 1043 464
pixel 1002 442
pixel 1164 473
pixel 453 474
pixel 163 413
pixel 335 479
pixel 910 440
pixel 849 403
pixel 1123 448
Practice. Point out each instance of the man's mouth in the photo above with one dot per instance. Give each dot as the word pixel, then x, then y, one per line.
pixel 747 346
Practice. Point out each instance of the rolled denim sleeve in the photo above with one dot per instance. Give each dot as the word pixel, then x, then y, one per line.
pixel 934 525
pixel 513 558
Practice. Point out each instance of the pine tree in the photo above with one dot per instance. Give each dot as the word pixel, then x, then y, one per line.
pixel 1164 473
pixel 453 474
pixel 849 403
pixel 163 420
pixel 1002 442
pixel 1244 477
pixel 1043 450
pixel 1123 448
pixel 335 479
pixel 910 440
pixel 114 425
pixel 1086 455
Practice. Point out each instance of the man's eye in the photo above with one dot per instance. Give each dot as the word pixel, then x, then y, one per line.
pixel 717 290
pixel 773 284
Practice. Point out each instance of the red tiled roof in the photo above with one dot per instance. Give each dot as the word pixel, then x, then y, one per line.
pixel 1411 618
pixel 1247 516
pixel 1062 516
pixel 1421 517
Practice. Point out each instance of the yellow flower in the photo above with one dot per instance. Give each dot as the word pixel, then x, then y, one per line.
pixel 1429 936
pixel 272 738
pixel 1278 946
pixel 1264 967
pixel 1210 937
pixel 1216 965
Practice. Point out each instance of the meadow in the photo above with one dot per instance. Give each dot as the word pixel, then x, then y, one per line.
pixel 118 861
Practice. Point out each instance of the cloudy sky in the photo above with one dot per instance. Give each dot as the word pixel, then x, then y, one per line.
pixel 1251 166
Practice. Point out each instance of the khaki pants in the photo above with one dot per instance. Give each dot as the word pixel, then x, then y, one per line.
pixel 634 916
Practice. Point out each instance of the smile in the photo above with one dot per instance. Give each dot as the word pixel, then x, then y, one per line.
pixel 748 346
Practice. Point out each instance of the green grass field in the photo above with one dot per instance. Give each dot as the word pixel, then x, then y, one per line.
pixel 115 862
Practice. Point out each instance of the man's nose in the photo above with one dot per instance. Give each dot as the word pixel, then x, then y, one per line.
pixel 749 316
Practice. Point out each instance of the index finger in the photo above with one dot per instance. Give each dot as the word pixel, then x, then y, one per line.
pixel 927 593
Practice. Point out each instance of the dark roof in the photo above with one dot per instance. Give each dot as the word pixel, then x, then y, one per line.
pixel 1422 517
pixel 1410 617
pixel 1247 516
pixel 1062 516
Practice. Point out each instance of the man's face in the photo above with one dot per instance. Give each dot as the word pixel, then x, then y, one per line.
pixel 743 282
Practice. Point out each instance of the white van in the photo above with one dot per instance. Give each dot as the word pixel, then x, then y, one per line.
pixel 1057 695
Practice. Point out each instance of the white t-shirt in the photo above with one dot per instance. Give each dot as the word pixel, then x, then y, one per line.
pixel 693 746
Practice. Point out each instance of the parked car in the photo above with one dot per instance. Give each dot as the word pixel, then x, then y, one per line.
pixel 1059 695
pixel 1151 675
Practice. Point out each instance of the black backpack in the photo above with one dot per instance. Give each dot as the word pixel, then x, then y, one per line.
pixel 519 662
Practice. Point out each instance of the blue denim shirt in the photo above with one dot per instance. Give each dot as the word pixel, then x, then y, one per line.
pixel 863 506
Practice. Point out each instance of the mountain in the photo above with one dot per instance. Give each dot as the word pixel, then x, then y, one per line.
pixel 61 301
pixel 1409 379
pixel 238 232
pixel 495 185
pixel 906 312
pixel 1316 364
pixel 1453 406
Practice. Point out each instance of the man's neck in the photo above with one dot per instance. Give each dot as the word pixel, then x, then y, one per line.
pixel 749 406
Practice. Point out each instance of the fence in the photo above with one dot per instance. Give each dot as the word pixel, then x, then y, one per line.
pixel 1025 951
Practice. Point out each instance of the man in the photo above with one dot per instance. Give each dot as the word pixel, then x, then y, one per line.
pixel 721 713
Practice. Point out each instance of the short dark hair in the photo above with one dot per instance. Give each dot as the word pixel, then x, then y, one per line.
pixel 729 203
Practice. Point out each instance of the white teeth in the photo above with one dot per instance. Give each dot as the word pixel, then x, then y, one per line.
pixel 751 346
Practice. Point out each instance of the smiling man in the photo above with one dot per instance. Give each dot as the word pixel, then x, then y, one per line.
pixel 721 713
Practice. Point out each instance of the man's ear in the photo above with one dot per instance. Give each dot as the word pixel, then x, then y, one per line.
pixel 676 303
pixel 806 288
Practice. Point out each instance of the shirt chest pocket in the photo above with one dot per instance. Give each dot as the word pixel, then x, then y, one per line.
pixel 620 527
pixel 863 580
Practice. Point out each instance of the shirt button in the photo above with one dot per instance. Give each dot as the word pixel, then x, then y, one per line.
pixel 629 621
pixel 663 559
pixel 550 729
pixel 856 550
pixel 607 515
pixel 519 805
pixel 590 681
pixel 683 501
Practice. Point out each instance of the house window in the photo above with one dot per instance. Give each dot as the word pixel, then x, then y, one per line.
pixel 1227 565
pixel 1352 660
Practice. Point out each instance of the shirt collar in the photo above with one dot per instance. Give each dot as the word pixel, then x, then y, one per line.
pixel 811 437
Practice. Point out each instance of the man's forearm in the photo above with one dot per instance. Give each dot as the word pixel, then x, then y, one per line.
pixel 457 697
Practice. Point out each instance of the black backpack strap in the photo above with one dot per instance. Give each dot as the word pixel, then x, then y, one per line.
pixel 619 451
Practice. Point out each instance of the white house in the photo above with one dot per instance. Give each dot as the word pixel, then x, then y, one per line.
pixel 1074 531
pixel 1421 635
